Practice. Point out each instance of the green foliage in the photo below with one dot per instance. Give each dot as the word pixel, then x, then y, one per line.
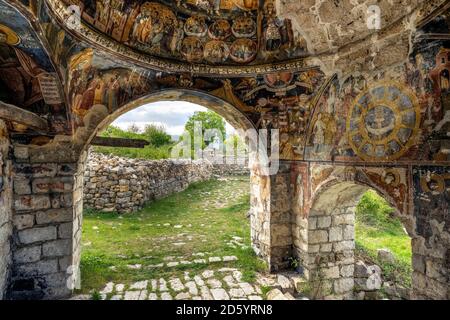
pixel 374 211
pixel 96 296
pixel 160 143
pixel 237 143
pixel 157 135
pixel 377 228
pixel 209 120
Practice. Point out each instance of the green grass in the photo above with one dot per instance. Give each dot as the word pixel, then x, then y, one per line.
pixel 216 211
pixel 160 146
pixel 148 152
pixel 377 228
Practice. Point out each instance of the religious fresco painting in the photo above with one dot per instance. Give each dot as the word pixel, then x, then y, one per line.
pixel 28 78
pixel 217 32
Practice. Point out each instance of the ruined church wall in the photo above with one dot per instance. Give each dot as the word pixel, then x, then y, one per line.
pixel 114 184
pixel 5 211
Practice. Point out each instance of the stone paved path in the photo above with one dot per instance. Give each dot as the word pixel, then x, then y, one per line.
pixel 221 284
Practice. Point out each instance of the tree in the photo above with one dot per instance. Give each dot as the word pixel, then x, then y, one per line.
pixel 157 135
pixel 237 144
pixel 209 120
pixel 133 128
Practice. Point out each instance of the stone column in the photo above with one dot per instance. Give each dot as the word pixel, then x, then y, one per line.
pixel 5 210
pixel 431 242
pixel 271 230
pixel 46 227
pixel 329 262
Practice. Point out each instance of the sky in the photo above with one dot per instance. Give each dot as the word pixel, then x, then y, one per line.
pixel 173 115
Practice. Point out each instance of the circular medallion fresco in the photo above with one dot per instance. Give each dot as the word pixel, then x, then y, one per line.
pixel 279 79
pixel 220 30
pixel 243 50
pixel 195 26
pixel 244 27
pixel 192 49
pixel 383 123
pixel 216 51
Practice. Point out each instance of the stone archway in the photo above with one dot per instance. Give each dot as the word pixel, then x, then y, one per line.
pixel 330 258
pixel 49 200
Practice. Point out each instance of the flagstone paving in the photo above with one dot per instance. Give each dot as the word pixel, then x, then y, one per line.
pixel 222 284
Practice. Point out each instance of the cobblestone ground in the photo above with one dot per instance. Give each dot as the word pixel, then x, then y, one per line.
pixel 222 284
pixel 193 245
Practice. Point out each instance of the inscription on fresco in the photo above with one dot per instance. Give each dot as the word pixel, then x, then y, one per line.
pixel 49 88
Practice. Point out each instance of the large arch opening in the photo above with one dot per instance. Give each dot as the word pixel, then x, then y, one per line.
pixel 191 242
pixel 351 252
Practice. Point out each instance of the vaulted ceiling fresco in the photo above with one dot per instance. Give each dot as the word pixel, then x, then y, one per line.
pixel 251 55
pixel 215 32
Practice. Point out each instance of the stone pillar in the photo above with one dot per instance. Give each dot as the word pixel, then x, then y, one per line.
pixel 431 242
pixel 5 210
pixel 46 227
pixel 271 230
pixel 329 262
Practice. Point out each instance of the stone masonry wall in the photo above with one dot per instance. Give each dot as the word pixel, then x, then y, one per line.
pixel 231 167
pixel 329 264
pixel 5 210
pixel 114 184
pixel 45 228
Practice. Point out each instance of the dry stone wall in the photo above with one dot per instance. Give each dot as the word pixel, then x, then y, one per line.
pixel 231 167
pixel 114 184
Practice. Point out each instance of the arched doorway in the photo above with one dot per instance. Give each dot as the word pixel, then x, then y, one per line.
pixel 330 261
pixel 171 261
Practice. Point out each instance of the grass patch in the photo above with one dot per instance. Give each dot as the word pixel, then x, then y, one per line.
pixel 210 213
pixel 376 228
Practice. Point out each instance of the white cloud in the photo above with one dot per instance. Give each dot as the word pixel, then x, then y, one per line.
pixel 171 114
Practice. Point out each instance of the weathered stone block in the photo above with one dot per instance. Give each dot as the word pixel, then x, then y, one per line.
pixel 343 285
pixel 37 234
pixel 23 221
pixel 41 267
pixel 331 273
pixel 28 254
pixel 54 185
pixel 65 230
pixel 385 255
pixel 22 186
pixel 323 222
pixel 318 236
pixel 21 152
pixel 344 245
pixel 44 170
pixel 344 219
pixel 347 271
pixel 57 248
pixel 54 215
pixel 335 234
pixel 349 232
pixel 32 202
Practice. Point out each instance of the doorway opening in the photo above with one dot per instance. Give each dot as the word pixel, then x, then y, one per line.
pixel 186 234
pixel 357 246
